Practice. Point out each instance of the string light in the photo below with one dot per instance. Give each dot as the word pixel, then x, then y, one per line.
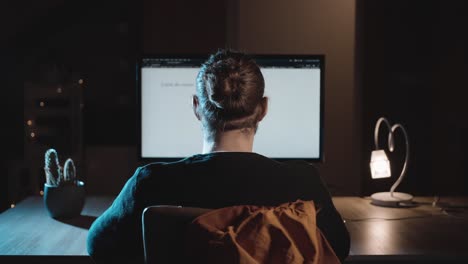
pixel 29 122
pixel 33 134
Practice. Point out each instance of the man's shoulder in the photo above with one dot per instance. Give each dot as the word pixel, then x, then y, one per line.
pixel 161 167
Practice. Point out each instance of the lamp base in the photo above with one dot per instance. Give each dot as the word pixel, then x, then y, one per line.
pixel 386 200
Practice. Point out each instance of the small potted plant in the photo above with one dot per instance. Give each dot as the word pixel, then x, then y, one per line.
pixel 64 195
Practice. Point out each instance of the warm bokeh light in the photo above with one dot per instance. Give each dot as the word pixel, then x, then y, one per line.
pixel 41 193
pixel 12 206
pixel 41 104
pixel 59 90
pixel 80 81
pixel 33 134
pixel 29 122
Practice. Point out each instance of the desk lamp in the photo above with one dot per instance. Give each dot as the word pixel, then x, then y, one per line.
pixel 380 167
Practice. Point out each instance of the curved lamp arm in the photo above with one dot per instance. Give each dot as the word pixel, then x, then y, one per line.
pixel 391 145
pixel 405 165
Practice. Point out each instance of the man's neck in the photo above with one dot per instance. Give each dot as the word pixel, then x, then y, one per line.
pixel 230 141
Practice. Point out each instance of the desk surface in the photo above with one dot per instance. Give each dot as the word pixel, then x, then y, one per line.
pixel 424 230
pixel 28 229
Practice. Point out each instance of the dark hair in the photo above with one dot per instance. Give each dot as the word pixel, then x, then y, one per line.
pixel 230 87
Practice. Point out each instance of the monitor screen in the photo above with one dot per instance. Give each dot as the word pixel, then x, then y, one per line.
pixel 292 128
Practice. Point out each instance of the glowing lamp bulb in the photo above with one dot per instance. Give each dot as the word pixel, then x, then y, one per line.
pixel 380 165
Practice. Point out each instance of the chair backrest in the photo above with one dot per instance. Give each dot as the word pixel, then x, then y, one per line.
pixel 225 235
pixel 164 229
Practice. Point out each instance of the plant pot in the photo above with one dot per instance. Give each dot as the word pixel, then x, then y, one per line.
pixel 64 201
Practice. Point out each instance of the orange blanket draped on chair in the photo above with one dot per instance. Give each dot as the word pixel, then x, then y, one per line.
pixel 286 234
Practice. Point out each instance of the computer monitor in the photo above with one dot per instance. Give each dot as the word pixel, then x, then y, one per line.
pixel 292 128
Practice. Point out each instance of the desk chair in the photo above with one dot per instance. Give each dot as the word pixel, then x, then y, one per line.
pixel 164 229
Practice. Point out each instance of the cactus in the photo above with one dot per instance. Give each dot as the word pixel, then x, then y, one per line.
pixel 54 173
pixel 69 171
pixel 52 168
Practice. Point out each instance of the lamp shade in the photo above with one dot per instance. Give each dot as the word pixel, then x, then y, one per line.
pixel 380 165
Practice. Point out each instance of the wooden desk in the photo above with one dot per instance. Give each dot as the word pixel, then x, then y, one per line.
pixel 29 232
pixel 421 234
pixel 389 235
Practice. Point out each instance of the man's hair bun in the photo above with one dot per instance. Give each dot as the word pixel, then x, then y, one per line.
pixel 230 86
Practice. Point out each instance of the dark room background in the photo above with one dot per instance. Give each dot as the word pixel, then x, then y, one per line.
pixel 406 60
pixel 414 71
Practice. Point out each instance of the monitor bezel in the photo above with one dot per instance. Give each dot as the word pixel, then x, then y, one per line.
pixel 204 57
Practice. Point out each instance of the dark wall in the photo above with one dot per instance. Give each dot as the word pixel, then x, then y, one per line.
pixel 180 26
pixel 11 116
pixel 414 73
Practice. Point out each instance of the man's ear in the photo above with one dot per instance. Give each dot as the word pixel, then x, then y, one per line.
pixel 195 105
pixel 264 108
